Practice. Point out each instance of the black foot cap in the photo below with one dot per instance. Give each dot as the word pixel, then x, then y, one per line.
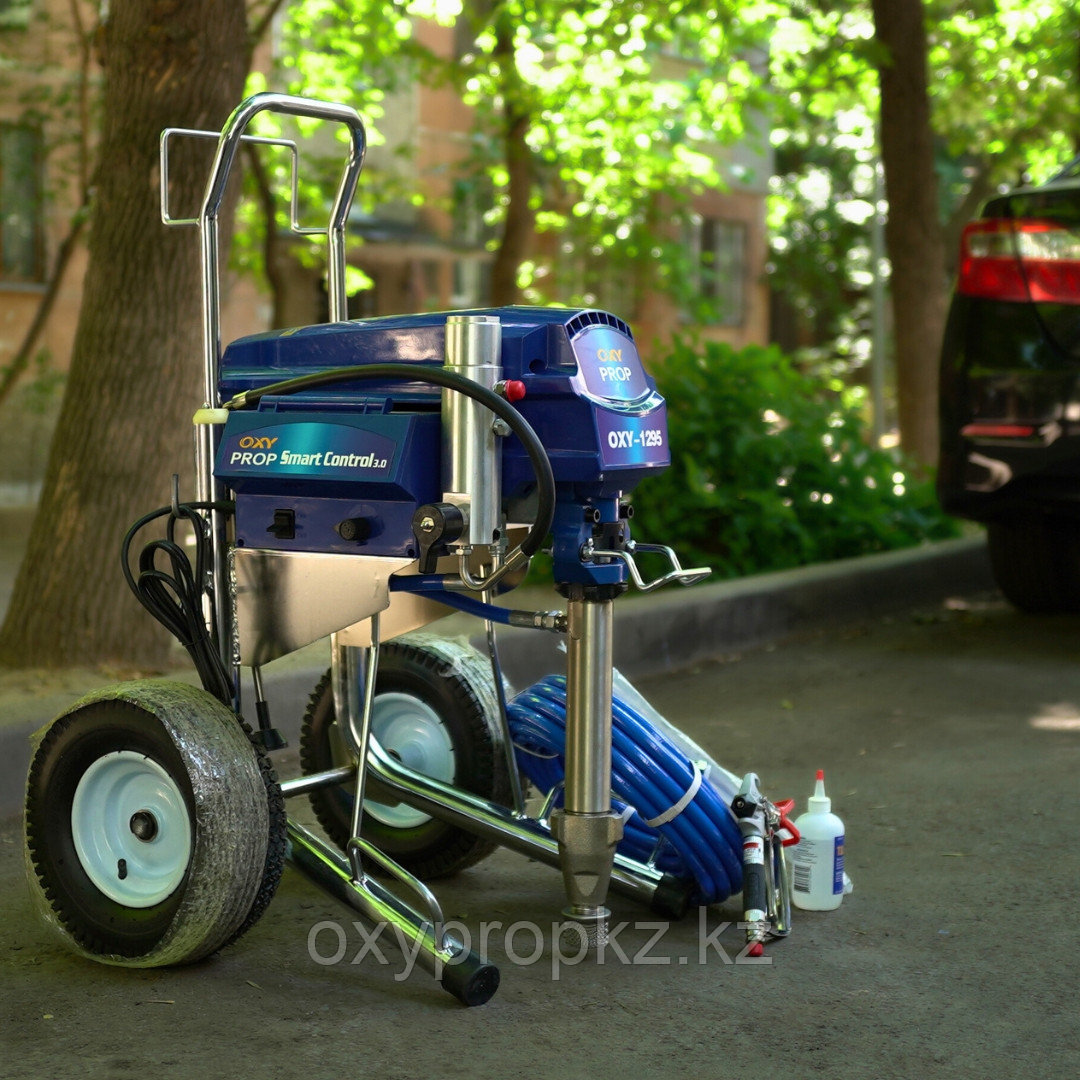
pixel 471 980
pixel 672 897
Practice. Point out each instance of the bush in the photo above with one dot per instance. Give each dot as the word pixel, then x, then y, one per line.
pixel 772 469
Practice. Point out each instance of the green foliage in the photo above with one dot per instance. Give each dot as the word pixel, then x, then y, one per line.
pixel 623 103
pixel 1004 77
pixel 1003 74
pixel 771 469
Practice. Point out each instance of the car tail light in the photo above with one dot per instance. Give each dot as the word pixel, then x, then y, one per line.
pixel 1025 259
pixel 997 431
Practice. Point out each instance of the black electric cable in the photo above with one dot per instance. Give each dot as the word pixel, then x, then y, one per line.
pixel 545 479
pixel 175 596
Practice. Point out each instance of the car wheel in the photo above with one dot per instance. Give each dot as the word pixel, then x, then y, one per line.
pixel 1036 562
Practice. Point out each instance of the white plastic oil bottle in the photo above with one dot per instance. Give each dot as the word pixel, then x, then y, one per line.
pixel 818 862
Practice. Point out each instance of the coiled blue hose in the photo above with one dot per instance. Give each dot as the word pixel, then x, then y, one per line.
pixel 649 773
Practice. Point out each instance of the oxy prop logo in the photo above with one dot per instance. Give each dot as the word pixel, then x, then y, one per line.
pixel 610 367
pixel 309 448
pixel 254 450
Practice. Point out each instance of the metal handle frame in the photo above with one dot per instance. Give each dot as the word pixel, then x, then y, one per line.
pixel 208 435
pixel 344 878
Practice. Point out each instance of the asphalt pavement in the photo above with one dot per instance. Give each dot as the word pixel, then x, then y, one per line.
pixel 948 726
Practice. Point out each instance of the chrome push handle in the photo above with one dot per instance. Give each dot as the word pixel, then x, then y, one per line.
pixel 294 194
pixel 676 573
pixel 229 139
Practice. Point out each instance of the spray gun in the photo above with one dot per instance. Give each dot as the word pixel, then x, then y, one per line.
pixel 766 880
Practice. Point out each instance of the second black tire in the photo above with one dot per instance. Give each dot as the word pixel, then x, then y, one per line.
pixel 434 709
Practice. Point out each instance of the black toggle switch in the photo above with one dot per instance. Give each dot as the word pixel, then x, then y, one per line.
pixel 284 527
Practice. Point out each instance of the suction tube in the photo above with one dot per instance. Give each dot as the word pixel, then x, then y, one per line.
pixel 674 805
pixel 545 479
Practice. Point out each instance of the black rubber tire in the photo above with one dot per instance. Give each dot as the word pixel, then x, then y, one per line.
pixel 234 812
pixel 433 849
pixel 277 843
pixel 1036 562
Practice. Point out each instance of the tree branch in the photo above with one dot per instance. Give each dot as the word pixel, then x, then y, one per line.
pixel 257 30
pixel 267 204
pixel 977 193
pixel 21 360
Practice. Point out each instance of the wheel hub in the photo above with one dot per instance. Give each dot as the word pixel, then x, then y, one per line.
pixel 131 830
pixel 144 826
pixel 412 732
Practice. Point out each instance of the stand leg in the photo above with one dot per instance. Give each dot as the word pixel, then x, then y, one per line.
pixel 467 976
pixel 470 978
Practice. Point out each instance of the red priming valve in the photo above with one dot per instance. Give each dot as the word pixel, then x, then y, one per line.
pixel 511 389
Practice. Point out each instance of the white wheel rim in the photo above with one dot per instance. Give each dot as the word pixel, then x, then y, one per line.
pixel 411 731
pixel 131 829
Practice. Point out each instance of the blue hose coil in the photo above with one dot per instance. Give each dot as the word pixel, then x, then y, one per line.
pixel 649 773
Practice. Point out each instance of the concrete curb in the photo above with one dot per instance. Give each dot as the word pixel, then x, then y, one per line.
pixel 653 634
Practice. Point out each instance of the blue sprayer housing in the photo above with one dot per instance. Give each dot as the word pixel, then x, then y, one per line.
pixel 371 450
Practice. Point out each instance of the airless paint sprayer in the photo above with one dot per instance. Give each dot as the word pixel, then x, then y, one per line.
pixel 361 479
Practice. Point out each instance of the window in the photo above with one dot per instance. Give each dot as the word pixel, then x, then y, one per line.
pixel 21 241
pixel 718 251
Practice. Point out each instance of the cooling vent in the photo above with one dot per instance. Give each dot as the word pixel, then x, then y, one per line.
pixel 583 320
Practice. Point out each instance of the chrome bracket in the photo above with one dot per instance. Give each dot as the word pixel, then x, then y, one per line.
pixel 589 553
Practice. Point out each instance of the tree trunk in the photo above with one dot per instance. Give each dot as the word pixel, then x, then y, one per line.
pixel 913 232
pixel 520 221
pixel 125 424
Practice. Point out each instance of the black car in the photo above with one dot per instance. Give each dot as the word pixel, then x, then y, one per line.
pixel 1010 390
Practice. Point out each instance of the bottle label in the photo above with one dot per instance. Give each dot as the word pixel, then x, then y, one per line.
pixel 818 866
pixel 838 865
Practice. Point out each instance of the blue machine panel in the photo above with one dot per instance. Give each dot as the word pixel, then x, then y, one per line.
pixel 369 449
pixel 576 366
pixel 299 474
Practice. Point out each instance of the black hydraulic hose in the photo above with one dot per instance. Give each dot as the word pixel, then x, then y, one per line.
pixel 545 479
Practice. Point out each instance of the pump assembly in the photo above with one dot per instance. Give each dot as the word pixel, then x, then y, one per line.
pixel 361 479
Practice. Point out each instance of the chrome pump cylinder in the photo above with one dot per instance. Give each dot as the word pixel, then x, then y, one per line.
pixel 472 452
pixel 586 827
pixel 588 707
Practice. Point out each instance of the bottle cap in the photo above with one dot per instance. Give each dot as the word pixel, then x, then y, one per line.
pixel 819 802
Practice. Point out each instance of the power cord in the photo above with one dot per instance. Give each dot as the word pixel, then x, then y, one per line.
pixel 174 596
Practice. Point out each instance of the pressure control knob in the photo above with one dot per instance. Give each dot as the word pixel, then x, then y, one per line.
pixel 354 528
pixel 435 524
